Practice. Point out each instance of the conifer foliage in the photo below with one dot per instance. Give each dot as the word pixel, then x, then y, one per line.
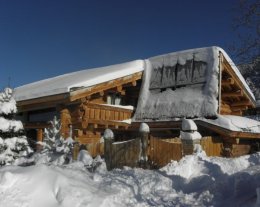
pixel 57 148
pixel 13 143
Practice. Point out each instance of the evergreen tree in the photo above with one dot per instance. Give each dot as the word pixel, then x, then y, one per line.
pixel 57 148
pixel 13 143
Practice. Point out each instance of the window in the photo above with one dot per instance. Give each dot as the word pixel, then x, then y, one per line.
pixel 114 99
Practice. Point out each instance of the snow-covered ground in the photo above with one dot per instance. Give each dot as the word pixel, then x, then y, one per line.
pixel 196 180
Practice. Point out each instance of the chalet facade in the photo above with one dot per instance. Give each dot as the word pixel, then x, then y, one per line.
pixel 202 84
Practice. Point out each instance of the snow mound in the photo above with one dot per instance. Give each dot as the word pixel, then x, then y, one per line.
pixel 196 180
pixel 144 128
pixel 190 135
pixel 43 186
pixel 108 134
pixel 188 125
pixel 85 157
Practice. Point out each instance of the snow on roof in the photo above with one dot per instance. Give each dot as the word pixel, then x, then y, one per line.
pixel 182 84
pixel 84 78
pixel 235 123
pixel 89 77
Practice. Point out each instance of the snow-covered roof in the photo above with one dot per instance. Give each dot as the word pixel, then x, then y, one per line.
pixel 90 77
pixel 80 79
pixel 235 123
pixel 183 84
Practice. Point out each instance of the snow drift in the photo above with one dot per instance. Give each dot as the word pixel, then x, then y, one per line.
pixel 196 180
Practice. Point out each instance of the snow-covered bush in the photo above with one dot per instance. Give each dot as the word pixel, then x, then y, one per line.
pixel 13 143
pixel 55 148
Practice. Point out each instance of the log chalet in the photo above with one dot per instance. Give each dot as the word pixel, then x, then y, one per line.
pixel 200 84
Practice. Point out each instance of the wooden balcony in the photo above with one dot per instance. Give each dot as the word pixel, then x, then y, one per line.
pixel 101 116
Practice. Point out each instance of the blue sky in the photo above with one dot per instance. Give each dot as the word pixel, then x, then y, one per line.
pixel 44 38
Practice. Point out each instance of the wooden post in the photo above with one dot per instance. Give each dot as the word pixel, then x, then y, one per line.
pixel 109 139
pixel 39 139
pixel 220 81
pixel 65 120
pixel 144 134
pixel 75 151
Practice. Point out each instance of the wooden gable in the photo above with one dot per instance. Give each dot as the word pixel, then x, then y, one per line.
pixel 234 96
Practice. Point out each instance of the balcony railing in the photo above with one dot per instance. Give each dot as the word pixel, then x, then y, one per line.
pixel 102 115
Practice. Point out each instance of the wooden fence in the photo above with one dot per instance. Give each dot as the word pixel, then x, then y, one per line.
pixel 213 146
pixel 119 154
pixel 162 151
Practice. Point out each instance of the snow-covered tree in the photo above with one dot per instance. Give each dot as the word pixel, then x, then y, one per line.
pixel 57 148
pixel 13 143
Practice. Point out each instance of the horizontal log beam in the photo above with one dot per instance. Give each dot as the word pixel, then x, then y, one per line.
pixel 237 113
pixel 36 125
pixel 242 103
pixel 101 93
pixel 134 83
pixel 102 124
pixel 122 92
pixel 232 94
pixel 47 99
pixel 238 108
pixel 108 107
pixel 229 81
pixel 225 109
pixel 74 95
pixel 119 88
